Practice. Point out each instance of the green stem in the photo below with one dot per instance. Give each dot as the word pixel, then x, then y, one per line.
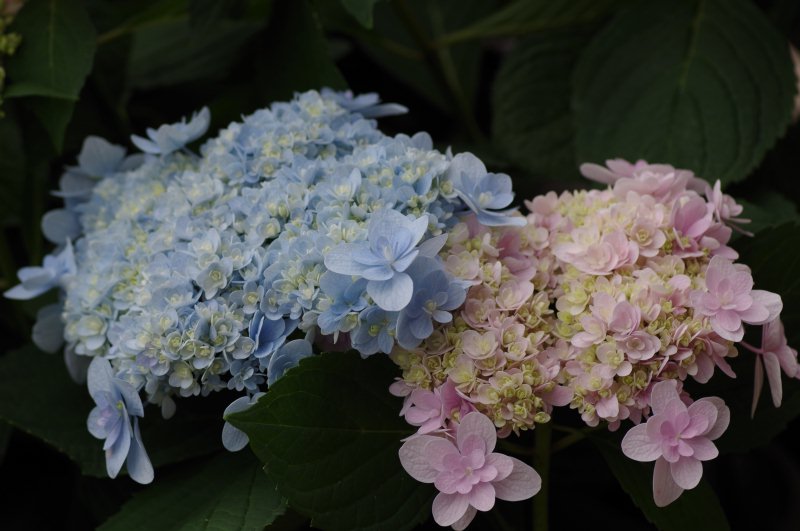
pixel 543 433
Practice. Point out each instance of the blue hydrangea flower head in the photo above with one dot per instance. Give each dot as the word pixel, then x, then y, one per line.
pixel 117 401
pixel 483 192
pixel 172 137
pixel 390 249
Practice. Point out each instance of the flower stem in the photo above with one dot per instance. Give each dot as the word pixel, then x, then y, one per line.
pixel 543 433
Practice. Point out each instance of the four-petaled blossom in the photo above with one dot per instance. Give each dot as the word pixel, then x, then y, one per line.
pixel 484 193
pixel 172 137
pixel 677 438
pixel 775 354
pixel 729 299
pixel 390 249
pixel 117 401
pixel 468 474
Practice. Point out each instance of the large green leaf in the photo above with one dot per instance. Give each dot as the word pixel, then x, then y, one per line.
pixel 54 114
pixel 531 16
pixel 767 209
pixel 698 508
pixel 227 493
pixel 12 170
pixel 361 10
pixel 531 116
pixel 700 84
pixel 173 51
pixel 58 43
pixel 38 397
pixel 294 56
pixel 328 433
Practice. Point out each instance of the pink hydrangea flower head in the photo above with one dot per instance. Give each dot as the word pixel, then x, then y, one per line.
pixel 775 354
pixel 468 474
pixel 729 299
pixel 678 438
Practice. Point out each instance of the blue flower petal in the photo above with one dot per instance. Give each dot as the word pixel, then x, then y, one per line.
pixel 391 295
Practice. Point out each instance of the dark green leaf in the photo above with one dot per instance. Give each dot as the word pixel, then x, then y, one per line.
pixel 700 84
pixel 229 492
pixel 12 170
pixel 54 115
pixel 531 16
pixel 172 52
pixel 38 397
pixel 531 116
pixel 361 10
pixel 58 43
pixel 698 508
pixel 295 55
pixel 768 209
pixel 328 433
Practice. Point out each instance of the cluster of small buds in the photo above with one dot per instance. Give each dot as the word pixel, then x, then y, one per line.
pixel 492 357
pixel 8 41
pixel 196 273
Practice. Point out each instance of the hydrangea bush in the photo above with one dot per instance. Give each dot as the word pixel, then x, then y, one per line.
pixel 303 229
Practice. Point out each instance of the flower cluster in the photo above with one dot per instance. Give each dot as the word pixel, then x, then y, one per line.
pixel 197 273
pixel 606 301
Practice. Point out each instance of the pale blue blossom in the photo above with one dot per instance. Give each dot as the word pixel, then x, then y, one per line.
pixel 375 331
pixel 37 280
pixel 390 249
pixel 288 356
pixel 234 439
pixel 483 192
pixel 172 137
pixel 117 401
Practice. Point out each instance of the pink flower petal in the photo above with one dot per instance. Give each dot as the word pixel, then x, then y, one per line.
pixel 661 394
pixel 560 395
pixel 471 444
pixel 703 416
pixel 723 418
pixel 686 472
pixel 449 508
pixel 502 463
pixel 771 301
pixel 482 496
pixel 464 521
pixel 758 384
pixel 665 490
pixel 422 456
pixel 638 446
pixel 703 449
pixel 521 484
pixel 480 425
pixel 773 369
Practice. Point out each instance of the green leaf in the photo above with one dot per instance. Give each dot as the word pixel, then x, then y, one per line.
pixel 58 43
pixel 361 10
pixel 531 16
pixel 38 397
pixel 295 55
pixel 328 433
pixel 54 115
pixel 12 170
pixel 701 84
pixel 698 508
pixel 172 51
pixel 531 116
pixel 767 209
pixel 227 493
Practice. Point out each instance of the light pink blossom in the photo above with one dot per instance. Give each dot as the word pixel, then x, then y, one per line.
pixel 775 354
pixel 468 474
pixel 677 438
pixel 662 181
pixel 729 299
